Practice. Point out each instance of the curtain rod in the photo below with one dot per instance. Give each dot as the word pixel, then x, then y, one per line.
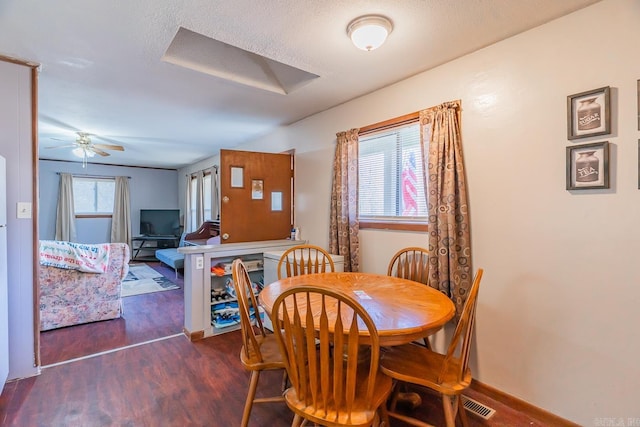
pixel 203 170
pixel 92 176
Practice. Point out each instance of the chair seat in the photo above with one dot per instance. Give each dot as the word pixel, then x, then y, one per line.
pixel 271 356
pixel 362 413
pixel 418 365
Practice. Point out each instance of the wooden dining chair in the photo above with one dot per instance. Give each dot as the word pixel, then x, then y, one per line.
pixel 411 264
pixel 447 374
pixel 260 351
pixel 334 376
pixel 305 259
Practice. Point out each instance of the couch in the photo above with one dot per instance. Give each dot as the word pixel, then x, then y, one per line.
pixel 71 297
pixel 171 256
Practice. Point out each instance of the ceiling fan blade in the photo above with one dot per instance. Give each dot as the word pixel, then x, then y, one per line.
pixel 98 151
pixel 109 147
pixel 57 123
pixel 61 146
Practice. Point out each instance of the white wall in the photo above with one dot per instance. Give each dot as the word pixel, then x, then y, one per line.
pixel 149 189
pixel 558 311
pixel 16 147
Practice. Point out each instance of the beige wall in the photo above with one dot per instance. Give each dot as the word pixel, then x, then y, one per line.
pixel 558 315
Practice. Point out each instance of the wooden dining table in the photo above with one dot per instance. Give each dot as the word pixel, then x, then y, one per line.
pixel 402 310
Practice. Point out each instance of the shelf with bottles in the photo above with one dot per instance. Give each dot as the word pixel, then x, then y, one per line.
pixel 227 293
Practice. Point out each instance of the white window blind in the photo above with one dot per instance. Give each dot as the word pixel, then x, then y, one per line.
pixel 390 178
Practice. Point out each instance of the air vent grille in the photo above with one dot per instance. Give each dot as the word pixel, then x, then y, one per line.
pixel 477 408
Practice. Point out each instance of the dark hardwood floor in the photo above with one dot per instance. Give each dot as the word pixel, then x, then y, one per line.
pixel 166 382
pixel 145 317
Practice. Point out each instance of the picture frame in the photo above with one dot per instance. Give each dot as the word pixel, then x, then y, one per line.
pixel 589 113
pixel 588 166
pixel 257 189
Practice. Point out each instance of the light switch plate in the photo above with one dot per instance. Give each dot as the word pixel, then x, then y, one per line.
pixel 24 210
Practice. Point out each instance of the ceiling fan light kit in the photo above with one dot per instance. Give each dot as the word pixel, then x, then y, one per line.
pixel 369 32
pixel 84 148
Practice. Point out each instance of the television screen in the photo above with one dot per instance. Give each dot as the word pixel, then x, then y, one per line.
pixel 160 222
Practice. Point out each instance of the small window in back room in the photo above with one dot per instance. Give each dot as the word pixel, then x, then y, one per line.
pixel 93 196
pixel 390 178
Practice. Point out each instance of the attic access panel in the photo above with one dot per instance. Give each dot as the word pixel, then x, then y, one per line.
pixel 201 53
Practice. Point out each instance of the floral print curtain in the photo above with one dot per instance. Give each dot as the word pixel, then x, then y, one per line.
pixel 449 235
pixel 344 225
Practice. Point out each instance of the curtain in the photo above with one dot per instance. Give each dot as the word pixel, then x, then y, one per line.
pixel 447 201
pixel 199 198
pixel 215 203
pixel 187 206
pixel 343 223
pixel 121 218
pixel 65 213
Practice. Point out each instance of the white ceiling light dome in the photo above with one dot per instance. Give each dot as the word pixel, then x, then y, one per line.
pixel 369 32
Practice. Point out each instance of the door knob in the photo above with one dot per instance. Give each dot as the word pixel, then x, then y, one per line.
pixel 225 236
pixel 225 199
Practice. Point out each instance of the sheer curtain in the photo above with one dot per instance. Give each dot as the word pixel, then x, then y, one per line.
pixel 199 198
pixel 450 269
pixel 343 224
pixel 65 213
pixel 215 202
pixel 187 206
pixel 121 218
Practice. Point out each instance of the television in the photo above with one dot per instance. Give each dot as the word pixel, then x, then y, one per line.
pixel 160 222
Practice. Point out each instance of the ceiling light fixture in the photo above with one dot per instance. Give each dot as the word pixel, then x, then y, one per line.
pixel 369 32
pixel 83 153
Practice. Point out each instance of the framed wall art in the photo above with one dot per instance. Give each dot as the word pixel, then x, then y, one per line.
pixel 589 113
pixel 257 189
pixel 588 166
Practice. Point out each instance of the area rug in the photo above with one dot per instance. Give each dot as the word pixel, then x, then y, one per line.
pixel 143 279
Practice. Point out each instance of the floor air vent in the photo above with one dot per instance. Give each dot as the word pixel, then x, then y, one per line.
pixel 477 408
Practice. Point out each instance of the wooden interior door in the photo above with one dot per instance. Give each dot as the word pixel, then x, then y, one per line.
pixel 255 196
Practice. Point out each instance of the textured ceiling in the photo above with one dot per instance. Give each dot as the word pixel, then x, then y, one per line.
pixel 103 70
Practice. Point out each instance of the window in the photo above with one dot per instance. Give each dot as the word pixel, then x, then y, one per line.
pixel 390 178
pixel 93 196
pixel 206 189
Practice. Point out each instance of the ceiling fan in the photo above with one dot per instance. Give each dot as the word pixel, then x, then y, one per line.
pixel 83 147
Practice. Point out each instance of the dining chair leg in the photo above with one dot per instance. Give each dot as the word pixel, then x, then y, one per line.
pixel 449 415
pixel 384 415
pixel 297 421
pixel 395 391
pixel 462 412
pixel 253 385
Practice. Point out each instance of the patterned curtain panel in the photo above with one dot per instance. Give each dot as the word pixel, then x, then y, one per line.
pixel 450 269
pixel 343 224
